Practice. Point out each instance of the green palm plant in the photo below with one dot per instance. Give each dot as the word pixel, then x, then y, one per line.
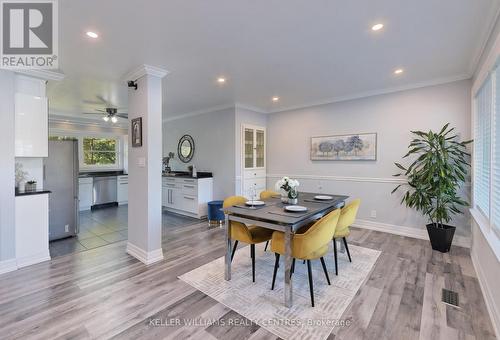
pixel 440 166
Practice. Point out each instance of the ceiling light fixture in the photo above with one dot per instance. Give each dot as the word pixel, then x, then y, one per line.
pixel 398 71
pixel 93 35
pixel 114 119
pixel 275 99
pixel 377 27
pixel 221 80
pixel 105 118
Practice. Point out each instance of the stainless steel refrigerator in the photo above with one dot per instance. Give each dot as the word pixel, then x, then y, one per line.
pixel 60 175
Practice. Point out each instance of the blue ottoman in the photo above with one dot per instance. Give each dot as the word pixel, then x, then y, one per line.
pixel 215 214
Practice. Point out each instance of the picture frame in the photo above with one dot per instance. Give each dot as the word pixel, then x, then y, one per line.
pixel 136 132
pixel 349 147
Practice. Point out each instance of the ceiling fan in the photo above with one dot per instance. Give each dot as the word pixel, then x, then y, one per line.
pixel 109 113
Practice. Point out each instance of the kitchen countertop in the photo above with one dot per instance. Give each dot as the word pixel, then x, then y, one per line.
pixel 101 174
pixel 185 174
pixel 36 192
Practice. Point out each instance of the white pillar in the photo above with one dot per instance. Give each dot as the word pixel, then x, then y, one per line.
pixel 144 165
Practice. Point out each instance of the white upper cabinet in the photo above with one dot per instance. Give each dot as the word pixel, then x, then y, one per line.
pixel 32 126
pixel 254 160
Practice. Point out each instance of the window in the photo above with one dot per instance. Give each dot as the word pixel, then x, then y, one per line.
pixel 100 151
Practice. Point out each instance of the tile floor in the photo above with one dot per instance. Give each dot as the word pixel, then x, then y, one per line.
pixel 105 226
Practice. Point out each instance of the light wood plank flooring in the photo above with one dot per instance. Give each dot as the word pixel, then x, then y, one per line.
pixel 104 293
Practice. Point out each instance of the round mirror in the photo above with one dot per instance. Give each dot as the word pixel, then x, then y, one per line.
pixel 185 149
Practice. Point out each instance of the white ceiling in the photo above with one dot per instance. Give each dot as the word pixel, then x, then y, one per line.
pixel 305 52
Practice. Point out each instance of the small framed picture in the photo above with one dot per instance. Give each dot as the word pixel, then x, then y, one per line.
pixel 136 127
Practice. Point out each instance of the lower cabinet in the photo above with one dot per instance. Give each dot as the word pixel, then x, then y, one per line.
pixel 32 229
pixel 187 196
pixel 85 187
pixel 122 189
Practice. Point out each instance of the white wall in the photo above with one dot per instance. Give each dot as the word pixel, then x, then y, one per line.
pixel 7 169
pixel 213 135
pixel 391 116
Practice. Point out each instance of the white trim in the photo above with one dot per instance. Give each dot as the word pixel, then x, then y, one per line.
pixel 43 74
pixel 343 178
pixel 34 259
pixel 414 232
pixel 8 265
pixel 145 257
pixel 488 233
pixel 252 108
pixel 199 112
pixel 360 95
pixel 487 293
pixel 144 70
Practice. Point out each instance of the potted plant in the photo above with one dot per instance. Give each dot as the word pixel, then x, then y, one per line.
pixel 440 166
pixel 289 190
pixel 20 175
pixel 30 186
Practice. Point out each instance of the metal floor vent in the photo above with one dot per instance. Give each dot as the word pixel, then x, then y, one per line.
pixel 450 297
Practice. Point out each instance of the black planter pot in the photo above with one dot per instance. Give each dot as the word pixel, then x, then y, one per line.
pixel 441 237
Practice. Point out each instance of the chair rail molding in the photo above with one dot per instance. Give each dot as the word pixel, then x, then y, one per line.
pixel 342 178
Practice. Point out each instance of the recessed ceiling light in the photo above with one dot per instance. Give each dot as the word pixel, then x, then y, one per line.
pixel 377 27
pixel 398 71
pixel 92 34
pixel 221 80
pixel 105 118
pixel 275 99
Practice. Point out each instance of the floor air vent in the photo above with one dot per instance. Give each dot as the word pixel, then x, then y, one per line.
pixel 450 297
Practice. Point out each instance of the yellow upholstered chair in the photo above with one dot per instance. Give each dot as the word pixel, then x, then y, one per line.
pixel 309 245
pixel 347 218
pixel 267 194
pixel 247 234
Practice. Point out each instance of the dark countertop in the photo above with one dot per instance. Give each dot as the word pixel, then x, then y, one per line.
pixel 101 174
pixel 185 174
pixel 36 192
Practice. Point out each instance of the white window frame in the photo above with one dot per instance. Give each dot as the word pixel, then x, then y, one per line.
pixel 118 152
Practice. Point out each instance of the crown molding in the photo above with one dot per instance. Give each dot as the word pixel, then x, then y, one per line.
pixel 199 112
pixel 485 37
pixel 144 70
pixel 43 74
pixel 239 105
pixel 361 95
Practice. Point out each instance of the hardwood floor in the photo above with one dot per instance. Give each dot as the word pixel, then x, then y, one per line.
pixel 105 293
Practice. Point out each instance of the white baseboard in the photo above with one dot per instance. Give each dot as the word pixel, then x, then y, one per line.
pixel 34 259
pixel 420 233
pixel 8 265
pixel 487 293
pixel 145 257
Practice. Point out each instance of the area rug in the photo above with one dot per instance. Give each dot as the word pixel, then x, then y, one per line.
pixel 265 307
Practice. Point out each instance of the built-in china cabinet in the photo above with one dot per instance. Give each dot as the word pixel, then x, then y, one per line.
pixel 254 160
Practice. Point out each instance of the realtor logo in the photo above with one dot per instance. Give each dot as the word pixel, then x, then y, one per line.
pixel 29 34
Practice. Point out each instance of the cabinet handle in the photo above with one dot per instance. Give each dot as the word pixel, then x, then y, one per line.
pixel 189 198
pixel 123 183
pixel 171 185
pixel 189 181
pixel 188 186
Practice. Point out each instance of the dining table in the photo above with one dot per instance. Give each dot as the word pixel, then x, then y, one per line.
pixel 272 215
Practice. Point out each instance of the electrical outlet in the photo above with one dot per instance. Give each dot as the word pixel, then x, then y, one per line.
pixel 373 214
pixel 66 228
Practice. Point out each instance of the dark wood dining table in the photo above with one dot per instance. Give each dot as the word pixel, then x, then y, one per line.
pixel 273 216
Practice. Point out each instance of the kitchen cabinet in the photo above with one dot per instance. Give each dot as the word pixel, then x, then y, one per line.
pixel 187 196
pixel 122 189
pixel 32 229
pixel 85 186
pixel 254 160
pixel 31 126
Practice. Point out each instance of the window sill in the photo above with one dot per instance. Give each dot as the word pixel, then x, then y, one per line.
pixel 488 233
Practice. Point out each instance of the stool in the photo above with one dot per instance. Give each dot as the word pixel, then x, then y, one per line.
pixel 215 214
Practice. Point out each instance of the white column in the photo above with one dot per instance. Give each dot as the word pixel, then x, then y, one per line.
pixel 144 165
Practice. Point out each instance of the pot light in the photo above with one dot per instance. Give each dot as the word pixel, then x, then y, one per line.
pixel 398 71
pixel 105 118
pixel 275 99
pixel 221 80
pixel 93 35
pixel 377 27
pixel 114 119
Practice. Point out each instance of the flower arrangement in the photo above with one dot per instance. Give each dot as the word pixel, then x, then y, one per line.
pixel 289 186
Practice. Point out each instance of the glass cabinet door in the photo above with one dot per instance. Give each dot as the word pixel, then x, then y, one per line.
pixel 259 148
pixel 249 148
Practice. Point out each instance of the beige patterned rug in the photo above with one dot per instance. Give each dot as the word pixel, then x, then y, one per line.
pixel 258 303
